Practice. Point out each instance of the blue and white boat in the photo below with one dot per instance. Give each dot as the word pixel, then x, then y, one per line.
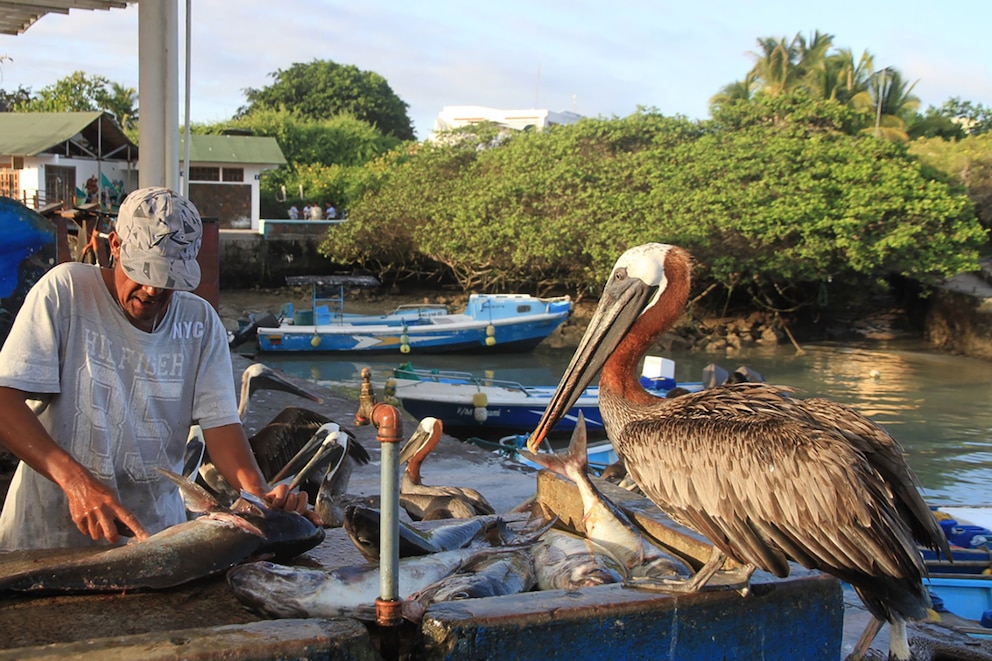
pixel 462 400
pixel 490 322
pixel 964 587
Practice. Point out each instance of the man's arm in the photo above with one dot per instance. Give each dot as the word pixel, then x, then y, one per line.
pixel 231 454
pixel 93 507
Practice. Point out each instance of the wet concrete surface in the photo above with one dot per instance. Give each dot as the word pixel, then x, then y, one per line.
pixel 33 621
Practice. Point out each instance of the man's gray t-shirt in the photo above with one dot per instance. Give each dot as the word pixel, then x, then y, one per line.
pixel 119 400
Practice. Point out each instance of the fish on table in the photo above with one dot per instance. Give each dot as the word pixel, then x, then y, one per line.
pixel 566 561
pixel 487 574
pixel 604 522
pixel 206 545
pixel 282 591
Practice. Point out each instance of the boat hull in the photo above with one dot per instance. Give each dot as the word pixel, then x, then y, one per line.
pixel 499 409
pixel 453 404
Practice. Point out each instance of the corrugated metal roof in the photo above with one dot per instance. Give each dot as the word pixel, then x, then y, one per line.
pixel 88 134
pixel 16 16
pixel 233 149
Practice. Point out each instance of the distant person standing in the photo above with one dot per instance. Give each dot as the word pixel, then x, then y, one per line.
pixel 294 213
pixel 92 189
pixel 330 213
pixel 306 211
pixel 315 212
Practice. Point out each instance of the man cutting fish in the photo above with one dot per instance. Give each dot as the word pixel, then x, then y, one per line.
pixel 101 377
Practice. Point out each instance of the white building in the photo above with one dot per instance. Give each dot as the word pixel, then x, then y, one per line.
pixel 455 117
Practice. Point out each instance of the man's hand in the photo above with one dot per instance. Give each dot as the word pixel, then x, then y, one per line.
pixel 96 511
pixel 280 497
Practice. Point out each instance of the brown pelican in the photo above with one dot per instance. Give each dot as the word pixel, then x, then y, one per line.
pixel 426 502
pixel 765 476
pixel 340 452
pixel 275 444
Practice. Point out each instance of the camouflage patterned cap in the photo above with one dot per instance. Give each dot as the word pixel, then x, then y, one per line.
pixel 160 233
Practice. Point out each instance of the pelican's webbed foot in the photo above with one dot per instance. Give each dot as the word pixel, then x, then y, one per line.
pixel 709 577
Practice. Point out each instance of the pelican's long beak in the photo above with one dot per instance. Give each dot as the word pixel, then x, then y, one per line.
pixel 332 450
pixel 260 377
pixel 306 453
pixel 621 304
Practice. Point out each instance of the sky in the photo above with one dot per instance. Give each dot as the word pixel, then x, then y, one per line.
pixel 595 58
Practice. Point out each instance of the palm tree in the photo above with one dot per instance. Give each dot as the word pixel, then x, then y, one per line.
pixel 840 78
pixel 120 102
pixel 741 90
pixel 891 100
pixel 783 66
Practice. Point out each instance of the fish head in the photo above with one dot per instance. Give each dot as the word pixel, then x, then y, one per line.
pixel 274 590
pixel 362 526
pixel 284 534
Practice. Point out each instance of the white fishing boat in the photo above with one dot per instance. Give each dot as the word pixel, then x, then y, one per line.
pixel 489 323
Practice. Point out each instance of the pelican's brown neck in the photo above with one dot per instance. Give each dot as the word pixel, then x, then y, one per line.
pixel 413 466
pixel 620 372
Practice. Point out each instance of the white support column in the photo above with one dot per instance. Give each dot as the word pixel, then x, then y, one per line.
pixel 158 93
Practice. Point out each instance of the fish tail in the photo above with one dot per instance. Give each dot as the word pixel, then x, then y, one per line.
pixel 412 609
pixel 574 461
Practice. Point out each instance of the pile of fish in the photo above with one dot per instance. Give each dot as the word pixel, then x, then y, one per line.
pixel 473 558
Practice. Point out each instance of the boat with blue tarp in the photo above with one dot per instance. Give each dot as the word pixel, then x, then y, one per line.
pixel 28 252
pixel 962 585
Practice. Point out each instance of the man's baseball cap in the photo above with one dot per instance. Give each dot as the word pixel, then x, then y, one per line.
pixel 160 233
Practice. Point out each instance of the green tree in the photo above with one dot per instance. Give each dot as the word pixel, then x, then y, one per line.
pixel 79 92
pixel 966 162
pixel 783 66
pixel 323 89
pixel 323 156
pixel 953 119
pixel 777 198
pixel 121 102
pixel 891 100
pixel 10 100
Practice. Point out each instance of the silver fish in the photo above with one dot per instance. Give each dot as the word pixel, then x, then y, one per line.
pixel 486 574
pixel 565 561
pixel 362 525
pixel 281 591
pixel 604 522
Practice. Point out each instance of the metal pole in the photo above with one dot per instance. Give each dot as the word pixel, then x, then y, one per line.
pixel 389 424
pixel 189 41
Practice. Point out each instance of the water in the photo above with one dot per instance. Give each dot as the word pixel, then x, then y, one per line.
pixel 936 405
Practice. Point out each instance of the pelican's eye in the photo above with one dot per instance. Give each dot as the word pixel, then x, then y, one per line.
pixel 620 273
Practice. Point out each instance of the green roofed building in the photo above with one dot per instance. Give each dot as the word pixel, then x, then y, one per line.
pixel 72 158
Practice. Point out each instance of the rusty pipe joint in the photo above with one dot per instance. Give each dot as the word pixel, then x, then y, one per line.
pixel 388 612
